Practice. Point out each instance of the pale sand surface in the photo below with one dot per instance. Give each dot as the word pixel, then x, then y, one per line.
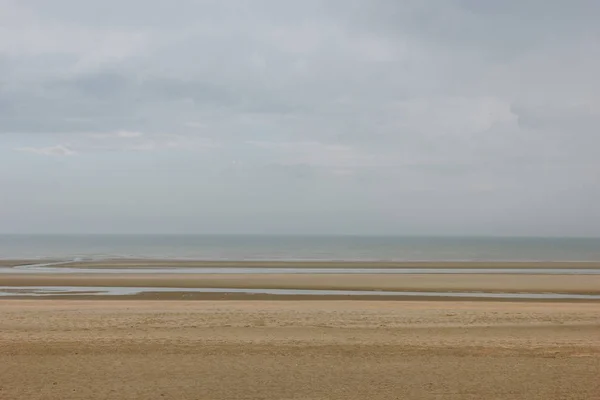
pixel 133 263
pixel 586 284
pixel 298 350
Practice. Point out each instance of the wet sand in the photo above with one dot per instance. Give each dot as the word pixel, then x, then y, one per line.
pixel 145 263
pixel 298 350
pixel 82 294
pixel 576 284
pixel 15 263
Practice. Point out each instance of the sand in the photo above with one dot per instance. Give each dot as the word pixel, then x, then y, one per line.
pixel 14 263
pixel 128 348
pixel 298 350
pixel 583 284
pixel 145 263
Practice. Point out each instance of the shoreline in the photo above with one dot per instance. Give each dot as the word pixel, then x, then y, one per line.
pixel 434 278
pixel 183 263
pixel 505 283
pixel 246 297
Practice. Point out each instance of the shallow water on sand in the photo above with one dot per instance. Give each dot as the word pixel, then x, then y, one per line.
pixel 60 268
pixel 121 291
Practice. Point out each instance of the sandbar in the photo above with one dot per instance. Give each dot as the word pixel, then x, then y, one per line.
pixel 576 284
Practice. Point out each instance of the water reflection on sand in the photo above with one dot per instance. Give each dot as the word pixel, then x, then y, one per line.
pixel 122 291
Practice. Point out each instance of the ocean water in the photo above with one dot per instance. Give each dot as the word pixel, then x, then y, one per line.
pixel 285 247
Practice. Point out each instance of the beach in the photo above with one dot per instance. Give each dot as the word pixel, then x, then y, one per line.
pixel 154 263
pixel 490 277
pixel 299 200
pixel 179 344
pixel 576 284
pixel 71 349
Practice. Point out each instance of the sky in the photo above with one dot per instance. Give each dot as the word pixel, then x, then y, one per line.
pixel 408 117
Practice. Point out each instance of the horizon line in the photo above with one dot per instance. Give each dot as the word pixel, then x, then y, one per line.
pixel 327 234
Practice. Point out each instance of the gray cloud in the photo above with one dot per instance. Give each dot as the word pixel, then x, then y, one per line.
pixel 58 150
pixel 489 106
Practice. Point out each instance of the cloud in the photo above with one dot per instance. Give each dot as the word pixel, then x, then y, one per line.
pixel 117 134
pixel 400 96
pixel 318 154
pixel 25 33
pixel 379 75
pixel 58 150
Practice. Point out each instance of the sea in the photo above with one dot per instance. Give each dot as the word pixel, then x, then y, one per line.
pixel 297 248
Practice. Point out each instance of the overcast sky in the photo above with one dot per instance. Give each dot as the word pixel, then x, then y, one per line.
pixel 460 117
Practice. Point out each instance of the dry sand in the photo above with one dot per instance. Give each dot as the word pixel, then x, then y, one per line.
pixel 587 284
pixel 298 350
